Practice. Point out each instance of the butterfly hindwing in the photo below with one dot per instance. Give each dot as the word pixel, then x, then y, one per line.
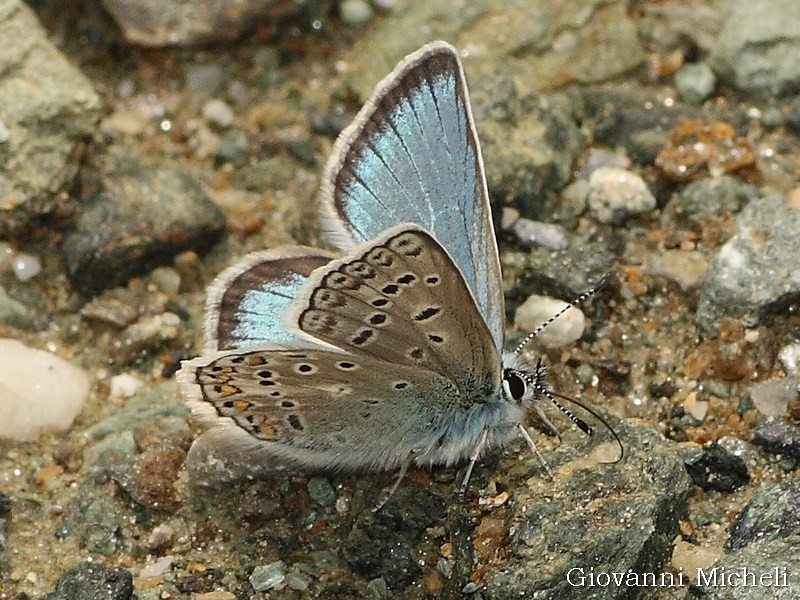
pixel 292 401
pixel 412 156
pixel 247 302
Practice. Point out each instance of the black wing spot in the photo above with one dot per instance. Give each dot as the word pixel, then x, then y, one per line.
pixel 407 279
pixel 379 302
pixel 378 319
pixel 295 422
pixel 346 365
pixel 401 385
pixel 428 313
pixel 432 280
pixel 391 289
pixel 417 353
pixel 363 337
pixel 436 339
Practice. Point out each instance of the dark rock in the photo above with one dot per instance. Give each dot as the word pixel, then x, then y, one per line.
pixel 382 544
pixel 633 120
pixel 142 219
pixel 753 275
pixel 777 437
pixel 93 581
pixel 773 512
pixel 713 468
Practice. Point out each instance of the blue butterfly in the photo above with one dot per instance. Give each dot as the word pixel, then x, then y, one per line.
pixel 390 353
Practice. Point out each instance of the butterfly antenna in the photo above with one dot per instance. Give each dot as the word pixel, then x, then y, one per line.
pixel 580 423
pixel 580 298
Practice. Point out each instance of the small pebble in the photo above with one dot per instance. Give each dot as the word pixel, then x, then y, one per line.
pixel 695 82
pixel 534 233
pixel 26 266
pixel 599 157
pixel 563 331
pixel 790 358
pixel 615 193
pixel 166 279
pixel 5 134
pixel 125 385
pixel 771 397
pixel 321 491
pixel 688 557
pixel 355 12
pixel 158 568
pixel 378 589
pixel 218 113
pixel 269 577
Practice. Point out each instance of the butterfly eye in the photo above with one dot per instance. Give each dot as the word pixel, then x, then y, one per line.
pixel 514 385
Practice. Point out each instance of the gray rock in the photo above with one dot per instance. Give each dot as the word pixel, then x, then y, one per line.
pixel 154 23
pixel 563 274
pixel 754 275
pixel 758 46
pixel 47 109
pixel 772 513
pixel 142 219
pixel 93 581
pixel 776 560
pixel 269 577
pixel 710 196
pixel 695 82
pixel 95 522
pixel 552 530
pixel 14 313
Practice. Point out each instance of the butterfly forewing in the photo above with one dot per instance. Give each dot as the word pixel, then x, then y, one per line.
pixel 412 156
pixel 402 300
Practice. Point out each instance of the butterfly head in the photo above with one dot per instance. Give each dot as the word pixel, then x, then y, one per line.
pixel 521 384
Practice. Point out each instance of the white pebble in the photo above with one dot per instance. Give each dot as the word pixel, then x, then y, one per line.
pixel 615 193
pixel 26 266
pixel 38 390
pixel 790 358
pixel 218 113
pixel 566 329
pixel 355 12
pixel 166 279
pixel 125 385
pixel 772 396
pixel 5 134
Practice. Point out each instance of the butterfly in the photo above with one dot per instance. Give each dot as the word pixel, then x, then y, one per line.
pixel 389 353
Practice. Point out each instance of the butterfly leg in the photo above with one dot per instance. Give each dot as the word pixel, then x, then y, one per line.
pixel 390 492
pixel 527 437
pixel 476 454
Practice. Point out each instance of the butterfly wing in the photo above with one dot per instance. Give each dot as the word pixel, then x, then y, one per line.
pixel 394 360
pixel 291 404
pixel 248 301
pixel 412 156
pixel 402 300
